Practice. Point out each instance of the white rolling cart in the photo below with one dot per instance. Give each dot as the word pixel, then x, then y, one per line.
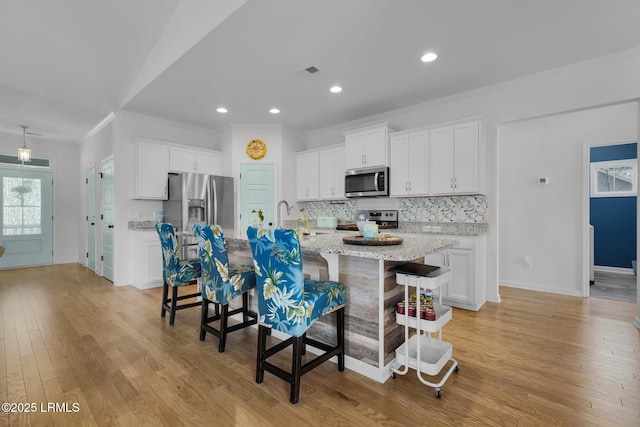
pixel 423 352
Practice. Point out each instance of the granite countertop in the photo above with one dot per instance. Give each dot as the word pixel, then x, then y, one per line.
pixel 413 247
pixel 418 227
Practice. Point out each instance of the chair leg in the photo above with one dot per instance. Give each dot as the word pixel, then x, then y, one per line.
pixel 165 293
pixel 203 318
pixel 296 369
pixel 340 332
pixel 245 307
pixel 223 327
pixel 262 348
pixel 174 299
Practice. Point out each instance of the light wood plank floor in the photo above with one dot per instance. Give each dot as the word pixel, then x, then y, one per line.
pixel 68 336
pixel 620 287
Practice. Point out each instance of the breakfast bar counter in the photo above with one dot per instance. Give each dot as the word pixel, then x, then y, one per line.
pixel 372 334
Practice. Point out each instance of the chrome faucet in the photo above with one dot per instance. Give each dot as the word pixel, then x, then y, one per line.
pixel 279 217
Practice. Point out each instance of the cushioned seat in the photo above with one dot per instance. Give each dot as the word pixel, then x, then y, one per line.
pixel 290 304
pixel 220 284
pixel 175 272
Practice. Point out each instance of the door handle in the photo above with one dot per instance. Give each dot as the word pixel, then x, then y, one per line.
pixel 110 226
pixel 93 223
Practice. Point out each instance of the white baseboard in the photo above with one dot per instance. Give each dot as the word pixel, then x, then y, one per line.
pixel 533 287
pixel 619 270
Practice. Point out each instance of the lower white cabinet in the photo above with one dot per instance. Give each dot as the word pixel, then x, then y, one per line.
pixel 146 259
pixel 467 262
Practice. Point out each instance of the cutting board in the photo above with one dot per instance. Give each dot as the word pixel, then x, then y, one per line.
pixel 359 240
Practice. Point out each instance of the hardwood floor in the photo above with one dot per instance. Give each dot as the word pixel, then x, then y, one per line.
pixel 617 286
pixel 68 336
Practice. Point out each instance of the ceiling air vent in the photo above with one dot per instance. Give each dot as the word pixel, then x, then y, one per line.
pixel 307 72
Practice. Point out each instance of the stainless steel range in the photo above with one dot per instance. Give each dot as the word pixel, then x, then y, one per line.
pixel 386 219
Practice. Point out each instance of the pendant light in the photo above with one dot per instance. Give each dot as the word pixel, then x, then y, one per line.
pixel 24 153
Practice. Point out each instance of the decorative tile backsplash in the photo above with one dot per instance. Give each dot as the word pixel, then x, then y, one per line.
pixel 462 209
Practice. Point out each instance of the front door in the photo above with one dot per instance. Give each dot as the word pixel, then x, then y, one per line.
pixel 108 211
pixel 91 218
pixel 256 193
pixel 26 218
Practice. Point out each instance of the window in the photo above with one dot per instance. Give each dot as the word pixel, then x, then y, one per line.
pixel 614 179
pixel 22 206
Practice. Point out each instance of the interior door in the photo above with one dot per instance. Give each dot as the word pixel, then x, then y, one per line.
pixel 108 211
pixel 256 193
pixel 91 218
pixel 26 218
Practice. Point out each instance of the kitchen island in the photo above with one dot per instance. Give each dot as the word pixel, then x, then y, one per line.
pixel 371 332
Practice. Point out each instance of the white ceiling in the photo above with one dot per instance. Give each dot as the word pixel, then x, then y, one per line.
pixel 67 63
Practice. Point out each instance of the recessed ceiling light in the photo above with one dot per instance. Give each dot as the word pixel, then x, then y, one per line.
pixel 274 111
pixel 221 110
pixel 429 57
pixel 336 89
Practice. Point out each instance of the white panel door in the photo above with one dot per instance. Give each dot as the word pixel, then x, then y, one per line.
pixel 375 147
pixel 417 163
pixel 399 169
pixel 354 145
pixel 108 219
pixel 26 218
pixel 182 159
pixel 91 218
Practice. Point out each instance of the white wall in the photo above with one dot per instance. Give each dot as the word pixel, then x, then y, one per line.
pixel 608 80
pixel 115 139
pixel 544 222
pixel 64 158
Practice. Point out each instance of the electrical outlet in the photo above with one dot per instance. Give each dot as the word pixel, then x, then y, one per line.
pixel 528 263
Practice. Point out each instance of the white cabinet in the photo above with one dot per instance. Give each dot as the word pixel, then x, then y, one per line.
pixel 149 169
pixel 408 166
pixel 146 259
pixel 467 262
pixel 188 159
pixel 332 168
pixel 307 176
pixel 367 147
pixel 456 159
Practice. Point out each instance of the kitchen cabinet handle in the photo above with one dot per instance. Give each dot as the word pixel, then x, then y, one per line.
pixel 110 226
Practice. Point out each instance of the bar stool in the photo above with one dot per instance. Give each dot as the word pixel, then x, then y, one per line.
pixel 175 272
pixel 220 284
pixel 288 303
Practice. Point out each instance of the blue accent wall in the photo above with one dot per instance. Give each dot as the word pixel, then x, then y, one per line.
pixel 614 219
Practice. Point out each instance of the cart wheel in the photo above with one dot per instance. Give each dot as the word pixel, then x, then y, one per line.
pixel 438 393
pixel 457 368
pixel 393 375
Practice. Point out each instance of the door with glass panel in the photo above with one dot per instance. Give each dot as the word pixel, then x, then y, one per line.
pixel 26 218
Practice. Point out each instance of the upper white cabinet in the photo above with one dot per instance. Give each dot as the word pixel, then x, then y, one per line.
pixel 456 159
pixel 367 147
pixel 307 175
pixel 150 166
pixel 408 166
pixel 188 159
pixel 332 168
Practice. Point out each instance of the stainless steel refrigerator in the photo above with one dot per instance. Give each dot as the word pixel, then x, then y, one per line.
pixel 198 199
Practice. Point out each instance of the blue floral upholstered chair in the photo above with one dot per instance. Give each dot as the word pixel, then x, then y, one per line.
pixel 175 272
pixel 288 303
pixel 220 284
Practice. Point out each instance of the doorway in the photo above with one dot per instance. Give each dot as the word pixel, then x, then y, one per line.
pixel 26 217
pixel 256 193
pixel 108 211
pixel 91 218
pixel 612 212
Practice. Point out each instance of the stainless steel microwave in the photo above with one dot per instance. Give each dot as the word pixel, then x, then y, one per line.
pixel 367 182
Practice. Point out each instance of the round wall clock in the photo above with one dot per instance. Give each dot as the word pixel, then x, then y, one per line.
pixel 256 149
